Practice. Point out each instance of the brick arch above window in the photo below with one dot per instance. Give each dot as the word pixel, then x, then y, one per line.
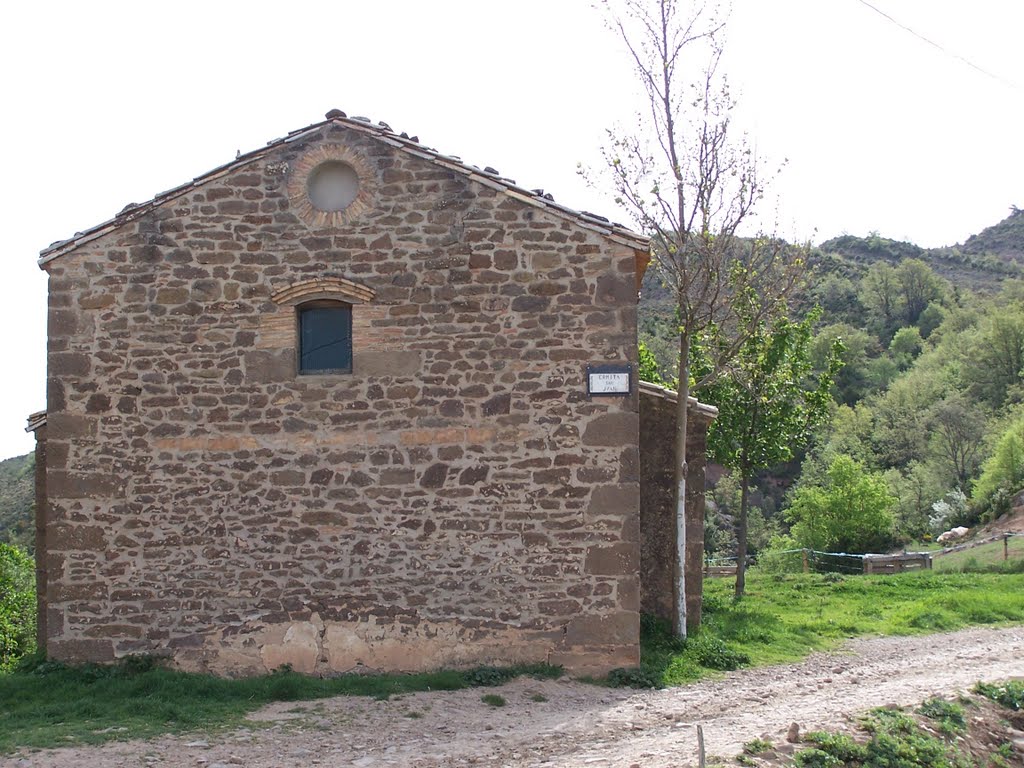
pixel 323 288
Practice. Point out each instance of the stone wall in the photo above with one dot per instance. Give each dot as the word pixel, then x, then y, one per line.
pixel 456 500
pixel 657 511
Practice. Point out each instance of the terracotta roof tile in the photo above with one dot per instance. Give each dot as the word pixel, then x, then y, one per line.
pixel 35 421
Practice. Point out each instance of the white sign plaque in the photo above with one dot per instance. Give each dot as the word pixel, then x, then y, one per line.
pixel 609 383
pixel 609 380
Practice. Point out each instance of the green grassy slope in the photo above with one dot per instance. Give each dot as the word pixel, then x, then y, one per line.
pixel 17 500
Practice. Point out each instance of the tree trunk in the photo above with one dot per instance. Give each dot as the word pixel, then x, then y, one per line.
pixel 682 398
pixel 741 536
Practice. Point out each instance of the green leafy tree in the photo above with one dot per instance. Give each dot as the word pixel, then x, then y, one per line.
pixel 17 606
pixel 1003 471
pixel 724 505
pixel 919 286
pixel 849 431
pixel 995 357
pixel 905 346
pixel 881 294
pixel 916 489
pixel 849 510
pixel 648 369
pixel 769 405
pixel 957 431
pixel 837 297
pixel 930 319
pixel 899 416
pixel 855 379
pixel 693 182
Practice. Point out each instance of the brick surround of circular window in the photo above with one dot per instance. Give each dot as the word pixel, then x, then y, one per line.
pixel 306 169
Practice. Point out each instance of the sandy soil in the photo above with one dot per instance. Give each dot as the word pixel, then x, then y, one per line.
pixel 562 723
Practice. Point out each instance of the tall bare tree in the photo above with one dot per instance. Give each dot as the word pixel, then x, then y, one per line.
pixel 690 181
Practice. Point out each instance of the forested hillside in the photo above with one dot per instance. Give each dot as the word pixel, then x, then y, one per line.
pixel 17 500
pixel 926 428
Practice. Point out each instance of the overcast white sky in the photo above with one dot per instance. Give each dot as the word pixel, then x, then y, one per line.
pixel 109 103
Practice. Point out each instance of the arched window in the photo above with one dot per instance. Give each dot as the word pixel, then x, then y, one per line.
pixel 325 337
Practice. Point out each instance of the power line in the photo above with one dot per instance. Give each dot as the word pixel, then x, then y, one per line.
pixel 944 50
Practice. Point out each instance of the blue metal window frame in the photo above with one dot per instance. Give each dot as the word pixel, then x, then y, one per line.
pixel 325 338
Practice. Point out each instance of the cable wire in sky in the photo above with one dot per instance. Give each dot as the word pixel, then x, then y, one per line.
pixel 932 43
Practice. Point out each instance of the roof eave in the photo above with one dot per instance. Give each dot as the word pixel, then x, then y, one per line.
pixel 703 409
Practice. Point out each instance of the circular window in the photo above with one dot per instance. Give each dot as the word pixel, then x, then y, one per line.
pixel 332 186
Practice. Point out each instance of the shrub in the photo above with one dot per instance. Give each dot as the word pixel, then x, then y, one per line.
pixel 757 746
pixel 950 716
pixel 17 606
pixel 1010 695
pixel 713 653
pixel 489 676
pixel 838 745
pixel 633 677
pixel 849 511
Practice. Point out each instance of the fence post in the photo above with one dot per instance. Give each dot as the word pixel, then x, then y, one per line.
pixel 1006 546
pixel 867 565
pixel 806 566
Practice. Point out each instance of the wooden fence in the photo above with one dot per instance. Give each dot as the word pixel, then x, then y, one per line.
pixel 908 561
pixel 812 560
pixel 979 542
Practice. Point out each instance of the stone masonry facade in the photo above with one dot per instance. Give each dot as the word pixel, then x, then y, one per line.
pixel 657 503
pixel 457 499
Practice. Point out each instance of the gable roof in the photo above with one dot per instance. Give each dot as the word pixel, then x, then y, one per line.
pixel 381 131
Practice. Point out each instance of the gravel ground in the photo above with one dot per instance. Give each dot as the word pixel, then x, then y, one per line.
pixel 563 723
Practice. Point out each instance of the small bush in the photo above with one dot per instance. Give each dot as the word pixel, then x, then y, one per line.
pixel 493 700
pixel 756 747
pixel 949 715
pixel 713 653
pixel 838 745
pixel 633 677
pixel 1010 694
pixel 489 676
pixel 815 758
pixel 914 750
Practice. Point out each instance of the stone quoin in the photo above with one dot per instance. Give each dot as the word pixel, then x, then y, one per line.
pixel 327 406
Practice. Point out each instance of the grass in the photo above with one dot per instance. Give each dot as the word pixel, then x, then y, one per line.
pixel 984 556
pixel 54 705
pixel 785 617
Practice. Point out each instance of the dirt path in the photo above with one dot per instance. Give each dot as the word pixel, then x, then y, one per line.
pixel 548 723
